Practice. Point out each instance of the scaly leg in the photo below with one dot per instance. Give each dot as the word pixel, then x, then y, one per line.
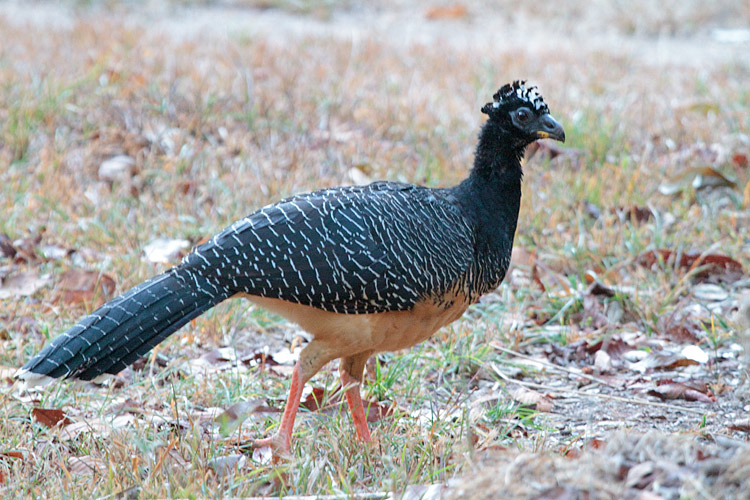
pixel 312 358
pixel 350 371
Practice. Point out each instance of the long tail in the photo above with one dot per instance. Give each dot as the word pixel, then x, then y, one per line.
pixel 127 327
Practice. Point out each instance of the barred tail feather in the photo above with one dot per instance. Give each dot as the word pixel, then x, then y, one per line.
pixel 127 327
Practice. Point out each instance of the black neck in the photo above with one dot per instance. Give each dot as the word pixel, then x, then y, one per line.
pixel 492 192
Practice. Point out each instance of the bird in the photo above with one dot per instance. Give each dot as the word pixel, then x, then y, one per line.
pixel 363 269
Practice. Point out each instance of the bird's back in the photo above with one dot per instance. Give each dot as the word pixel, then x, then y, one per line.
pixel 357 249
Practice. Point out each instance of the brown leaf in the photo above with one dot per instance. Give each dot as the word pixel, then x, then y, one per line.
pixel 455 11
pixel 23 284
pixel 165 250
pixel 681 326
pixel 536 400
pixel 376 411
pixel 689 391
pixel 662 360
pixel 6 246
pixel 742 425
pixel 698 178
pixel 230 420
pixel 550 150
pixel 50 417
pixel 86 466
pixel 740 160
pixel 633 213
pixel 716 265
pixel 314 400
pixel 79 286
pixel 227 464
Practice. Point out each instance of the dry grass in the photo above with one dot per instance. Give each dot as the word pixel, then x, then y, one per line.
pixel 221 126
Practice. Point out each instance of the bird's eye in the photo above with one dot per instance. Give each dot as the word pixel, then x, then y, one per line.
pixel 522 115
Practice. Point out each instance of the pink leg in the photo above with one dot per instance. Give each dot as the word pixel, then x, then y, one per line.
pixel 350 370
pixel 354 399
pixel 282 440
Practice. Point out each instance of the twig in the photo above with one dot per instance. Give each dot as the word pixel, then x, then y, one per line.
pixel 553 366
pixel 638 401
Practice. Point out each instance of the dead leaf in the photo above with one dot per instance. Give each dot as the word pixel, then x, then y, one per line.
pixel 24 249
pixel 79 286
pixel 377 412
pixel 165 250
pixel 633 213
pixel 227 464
pixel 740 160
pixel 698 178
pixel 662 360
pixel 689 391
pixel 263 455
pixel 681 326
pixel 315 399
pixel 86 466
pixel 716 265
pixel 50 417
pixel 529 397
pixel 709 292
pixel 455 11
pixel 231 419
pixel 6 246
pixel 742 425
pixel 641 475
pixel 550 150
pixel 117 168
pixel 23 284
pixel 602 361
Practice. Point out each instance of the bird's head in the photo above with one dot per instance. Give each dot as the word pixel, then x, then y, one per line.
pixel 521 112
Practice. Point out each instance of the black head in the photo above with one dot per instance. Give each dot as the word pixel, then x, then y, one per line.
pixel 521 112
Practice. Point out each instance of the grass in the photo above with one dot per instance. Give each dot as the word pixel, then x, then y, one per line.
pixel 219 127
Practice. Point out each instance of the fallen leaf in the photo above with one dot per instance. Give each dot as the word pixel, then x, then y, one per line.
pixel 689 391
pixel 695 353
pixel 79 286
pixel 231 419
pixel 633 213
pixel 681 326
pixel 698 178
pixel 602 361
pixel 227 464
pixel 550 150
pixel 716 265
pixel 23 284
pixel 86 466
pixel 117 168
pixel 315 399
pixel 640 475
pixel 742 425
pixel 662 360
pixel 6 246
pixel 377 412
pixel 165 250
pixel 740 160
pixel 50 417
pixel 455 11
pixel 709 292
pixel 536 400
pixel 263 455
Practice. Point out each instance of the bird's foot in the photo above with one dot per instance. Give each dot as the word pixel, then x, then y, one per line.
pixel 281 447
